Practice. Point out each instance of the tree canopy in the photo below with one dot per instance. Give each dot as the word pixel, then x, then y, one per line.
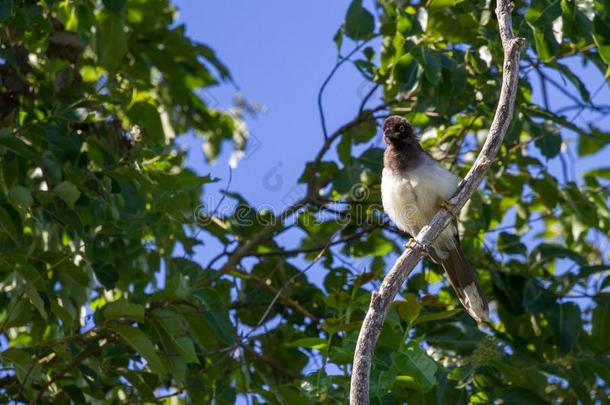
pixel 103 300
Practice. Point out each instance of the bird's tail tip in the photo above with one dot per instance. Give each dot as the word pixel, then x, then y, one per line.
pixel 475 304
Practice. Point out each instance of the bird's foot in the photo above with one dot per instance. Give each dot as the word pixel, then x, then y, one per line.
pixel 412 243
pixel 447 206
pixel 444 204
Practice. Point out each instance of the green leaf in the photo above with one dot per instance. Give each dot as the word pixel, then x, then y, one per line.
pixel 535 298
pixel 601 36
pixel 9 222
pixel 437 316
pixel 375 244
pixel 347 178
pixel 546 45
pixel 186 348
pixel 200 330
pixel 415 368
pixel 67 192
pixel 142 344
pixel 35 299
pixel 25 367
pixel 589 144
pixel 124 309
pixel 372 158
pixel 344 149
pixel 580 86
pixel 547 251
pixel 547 190
pixel 338 39
pixel 16 145
pixel 111 39
pixel 6 10
pixel 566 324
pixel 511 244
pixel 114 5
pixel 215 314
pixel 174 326
pixel 519 396
pixel 603 173
pixel 21 196
pixel 309 343
pixel 436 4
pixel 409 309
pixel 405 70
pixel 542 13
pixel 600 322
pixel 549 142
pixel 364 131
pixel 381 382
pixel 147 117
pixel 431 62
pixel 107 274
pixel 581 205
pixel 359 22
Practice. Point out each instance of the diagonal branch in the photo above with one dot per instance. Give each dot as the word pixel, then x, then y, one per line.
pixel 381 300
pixel 340 61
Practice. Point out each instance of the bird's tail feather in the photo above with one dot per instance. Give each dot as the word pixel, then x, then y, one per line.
pixel 465 283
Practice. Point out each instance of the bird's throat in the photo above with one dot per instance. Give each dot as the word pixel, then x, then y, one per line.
pixel 401 156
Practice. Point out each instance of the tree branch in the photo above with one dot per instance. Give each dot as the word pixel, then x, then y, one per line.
pixel 93 349
pixel 380 301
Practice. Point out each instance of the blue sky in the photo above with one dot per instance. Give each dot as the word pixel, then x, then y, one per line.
pixel 279 55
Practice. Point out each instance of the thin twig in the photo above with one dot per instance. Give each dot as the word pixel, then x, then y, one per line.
pixel 367 97
pixel 285 300
pixel 547 106
pixel 284 286
pixel 381 300
pixel 340 61
pixel 82 356
pixel 275 366
pixel 298 251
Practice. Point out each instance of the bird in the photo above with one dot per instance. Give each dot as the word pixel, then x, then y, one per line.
pixel 414 187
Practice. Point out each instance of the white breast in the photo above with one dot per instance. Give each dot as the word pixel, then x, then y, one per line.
pixel 411 198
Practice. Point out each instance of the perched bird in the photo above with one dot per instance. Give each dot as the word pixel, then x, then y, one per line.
pixel 414 187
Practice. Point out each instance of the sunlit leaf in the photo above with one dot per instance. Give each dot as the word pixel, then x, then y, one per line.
pixel 359 22
pixel 142 344
pixel 415 368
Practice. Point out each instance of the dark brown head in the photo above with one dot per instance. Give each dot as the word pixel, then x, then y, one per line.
pixel 397 130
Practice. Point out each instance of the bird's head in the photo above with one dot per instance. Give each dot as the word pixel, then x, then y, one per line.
pixel 397 129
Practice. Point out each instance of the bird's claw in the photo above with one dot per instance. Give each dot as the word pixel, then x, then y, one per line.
pixel 412 243
pixel 444 204
pixel 447 206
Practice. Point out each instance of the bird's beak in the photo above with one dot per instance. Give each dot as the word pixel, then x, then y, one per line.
pixel 391 134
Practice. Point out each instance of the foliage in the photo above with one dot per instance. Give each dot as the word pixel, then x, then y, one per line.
pixel 95 200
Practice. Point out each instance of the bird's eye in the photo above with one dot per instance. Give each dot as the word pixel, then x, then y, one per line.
pixel 401 128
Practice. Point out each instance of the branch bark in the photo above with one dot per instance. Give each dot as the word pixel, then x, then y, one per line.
pixel 381 300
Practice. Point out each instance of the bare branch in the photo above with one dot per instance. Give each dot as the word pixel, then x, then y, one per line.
pixel 381 300
pixel 340 61
pixel 298 251
pixel 285 300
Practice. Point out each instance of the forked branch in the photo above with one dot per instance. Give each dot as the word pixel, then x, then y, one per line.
pixel 381 300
